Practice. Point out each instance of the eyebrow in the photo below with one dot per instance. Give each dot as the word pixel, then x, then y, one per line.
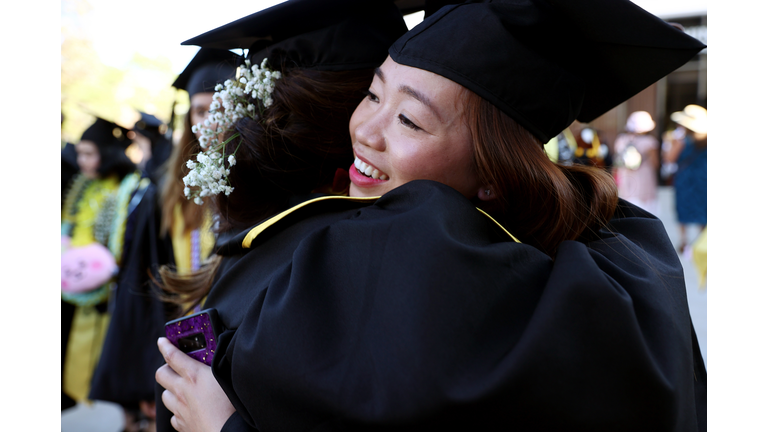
pixel 410 91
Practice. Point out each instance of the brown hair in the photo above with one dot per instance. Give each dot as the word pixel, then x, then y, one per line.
pixel 172 192
pixel 294 148
pixel 539 202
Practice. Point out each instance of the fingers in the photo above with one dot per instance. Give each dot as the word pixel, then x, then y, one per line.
pixel 167 377
pixel 175 423
pixel 170 401
pixel 181 363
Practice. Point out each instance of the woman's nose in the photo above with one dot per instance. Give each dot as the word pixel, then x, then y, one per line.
pixel 370 130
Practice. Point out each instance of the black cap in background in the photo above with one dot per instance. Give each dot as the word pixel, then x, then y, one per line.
pixel 148 123
pixel 207 68
pixel 106 134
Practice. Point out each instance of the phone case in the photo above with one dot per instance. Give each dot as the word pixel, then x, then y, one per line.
pixel 196 335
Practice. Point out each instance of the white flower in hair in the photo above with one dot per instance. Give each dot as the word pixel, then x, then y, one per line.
pixel 208 175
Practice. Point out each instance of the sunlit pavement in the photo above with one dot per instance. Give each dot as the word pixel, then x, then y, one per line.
pixel 107 417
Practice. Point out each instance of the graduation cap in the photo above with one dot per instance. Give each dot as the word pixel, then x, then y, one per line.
pixel 148 124
pixel 207 68
pixel 331 35
pixel 547 62
pixel 105 133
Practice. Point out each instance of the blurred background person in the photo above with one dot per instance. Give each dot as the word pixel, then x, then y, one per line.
pixel 69 166
pixel 686 148
pixel 590 150
pixel 636 162
pixel 93 216
pixel 169 230
pixel 149 133
pixel 186 224
pixel 584 147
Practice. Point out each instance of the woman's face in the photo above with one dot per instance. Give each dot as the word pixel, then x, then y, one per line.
pixel 88 158
pixel 200 105
pixel 410 127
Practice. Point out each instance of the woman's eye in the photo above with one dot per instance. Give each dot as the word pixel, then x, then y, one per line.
pixel 372 97
pixel 407 123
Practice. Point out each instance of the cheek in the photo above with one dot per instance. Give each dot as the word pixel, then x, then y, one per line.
pixel 450 163
pixel 413 160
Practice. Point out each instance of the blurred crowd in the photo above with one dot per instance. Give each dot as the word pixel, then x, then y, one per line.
pixel 643 158
pixel 124 213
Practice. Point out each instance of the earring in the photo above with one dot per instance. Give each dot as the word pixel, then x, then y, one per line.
pixel 487 192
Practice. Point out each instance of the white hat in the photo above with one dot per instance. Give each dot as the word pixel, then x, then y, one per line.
pixel 692 117
pixel 640 122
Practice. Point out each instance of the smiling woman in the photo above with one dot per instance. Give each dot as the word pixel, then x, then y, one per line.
pixel 401 134
pixel 463 280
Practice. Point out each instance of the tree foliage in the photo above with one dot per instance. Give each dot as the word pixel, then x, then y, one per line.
pixel 89 87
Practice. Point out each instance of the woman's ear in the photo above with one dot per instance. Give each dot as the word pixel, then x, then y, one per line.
pixel 485 193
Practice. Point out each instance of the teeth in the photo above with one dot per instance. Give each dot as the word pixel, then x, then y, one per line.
pixel 369 171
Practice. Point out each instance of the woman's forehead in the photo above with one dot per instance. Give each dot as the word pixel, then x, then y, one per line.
pixel 433 91
pixel 86 145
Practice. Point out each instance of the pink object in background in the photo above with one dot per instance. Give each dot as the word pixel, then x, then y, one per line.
pixel 85 268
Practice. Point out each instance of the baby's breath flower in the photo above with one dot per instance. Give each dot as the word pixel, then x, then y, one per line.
pixel 207 174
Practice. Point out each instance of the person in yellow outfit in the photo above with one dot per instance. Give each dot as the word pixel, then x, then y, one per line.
pixel 94 212
pixel 166 230
pixel 189 225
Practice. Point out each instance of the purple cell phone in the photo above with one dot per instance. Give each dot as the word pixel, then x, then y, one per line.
pixel 195 334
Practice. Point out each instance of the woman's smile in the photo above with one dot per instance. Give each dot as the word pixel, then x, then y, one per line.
pixel 410 127
pixel 369 170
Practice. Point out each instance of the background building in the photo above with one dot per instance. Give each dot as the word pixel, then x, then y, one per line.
pixel 687 85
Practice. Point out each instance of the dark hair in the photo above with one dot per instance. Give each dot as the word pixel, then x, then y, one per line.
pixel 113 160
pixel 295 147
pixel 539 202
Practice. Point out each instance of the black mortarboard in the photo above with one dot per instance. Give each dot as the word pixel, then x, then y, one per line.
pixel 106 134
pixel 546 63
pixel 313 34
pixel 148 123
pixel 207 68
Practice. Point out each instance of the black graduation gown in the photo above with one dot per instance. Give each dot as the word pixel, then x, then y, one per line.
pixel 69 168
pixel 129 358
pixel 417 311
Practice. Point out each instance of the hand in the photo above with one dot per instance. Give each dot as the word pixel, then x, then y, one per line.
pixel 192 393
